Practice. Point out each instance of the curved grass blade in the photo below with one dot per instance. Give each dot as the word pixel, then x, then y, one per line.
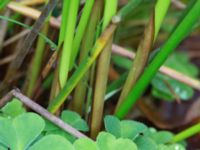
pixel 79 73
pixel 48 41
pixel 81 30
pixel 3 3
pixel 183 28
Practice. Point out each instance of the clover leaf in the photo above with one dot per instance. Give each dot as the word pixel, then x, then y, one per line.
pixel 73 119
pixel 13 108
pixel 106 141
pixel 125 129
pixel 22 132
pixel 52 142
pixel 163 85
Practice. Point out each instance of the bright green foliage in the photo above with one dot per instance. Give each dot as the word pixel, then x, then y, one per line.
pixel 187 133
pixel 109 142
pixel 73 119
pixel 105 141
pixel 20 132
pixel 144 137
pixel 129 8
pixel 81 30
pixel 126 128
pixel 180 62
pixel 132 135
pixel 171 147
pixel 50 128
pixel 23 133
pixel 52 142
pixel 118 62
pixel 144 143
pixel 161 137
pixel 68 41
pixel 160 12
pixel 3 3
pixel 85 144
pixel 109 12
pixel 2 147
pixel 13 108
pixel 112 125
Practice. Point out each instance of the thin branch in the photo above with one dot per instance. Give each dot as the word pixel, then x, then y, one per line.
pixel 32 2
pixel 7 59
pixel 178 4
pixel 40 110
pixel 164 70
pixel 31 13
pixel 16 37
pixel 6 99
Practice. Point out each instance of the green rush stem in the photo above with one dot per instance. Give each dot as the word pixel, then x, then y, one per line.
pixel 82 69
pixel 86 46
pixel 65 15
pixel 68 41
pixel 109 12
pixel 144 48
pixel 4 3
pixel 183 135
pixel 103 64
pixel 81 30
pixel 64 23
pixel 36 63
pixel 129 8
pixel 160 12
pixel 183 28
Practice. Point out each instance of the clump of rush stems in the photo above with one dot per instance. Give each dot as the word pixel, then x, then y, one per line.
pixel 81 61
pixel 183 28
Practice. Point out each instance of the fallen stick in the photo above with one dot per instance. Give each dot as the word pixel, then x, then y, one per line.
pixel 40 110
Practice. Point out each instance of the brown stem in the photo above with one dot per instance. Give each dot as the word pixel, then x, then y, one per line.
pixel 164 70
pixel 43 112
pixel 140 61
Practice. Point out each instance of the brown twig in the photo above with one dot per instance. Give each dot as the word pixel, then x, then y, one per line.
pixel 5 99
pixel 7 59
pixel 43 112
pixel 16 37
pixel 178 4
pixel 32 2
pixel 164 70
pixel 31 12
